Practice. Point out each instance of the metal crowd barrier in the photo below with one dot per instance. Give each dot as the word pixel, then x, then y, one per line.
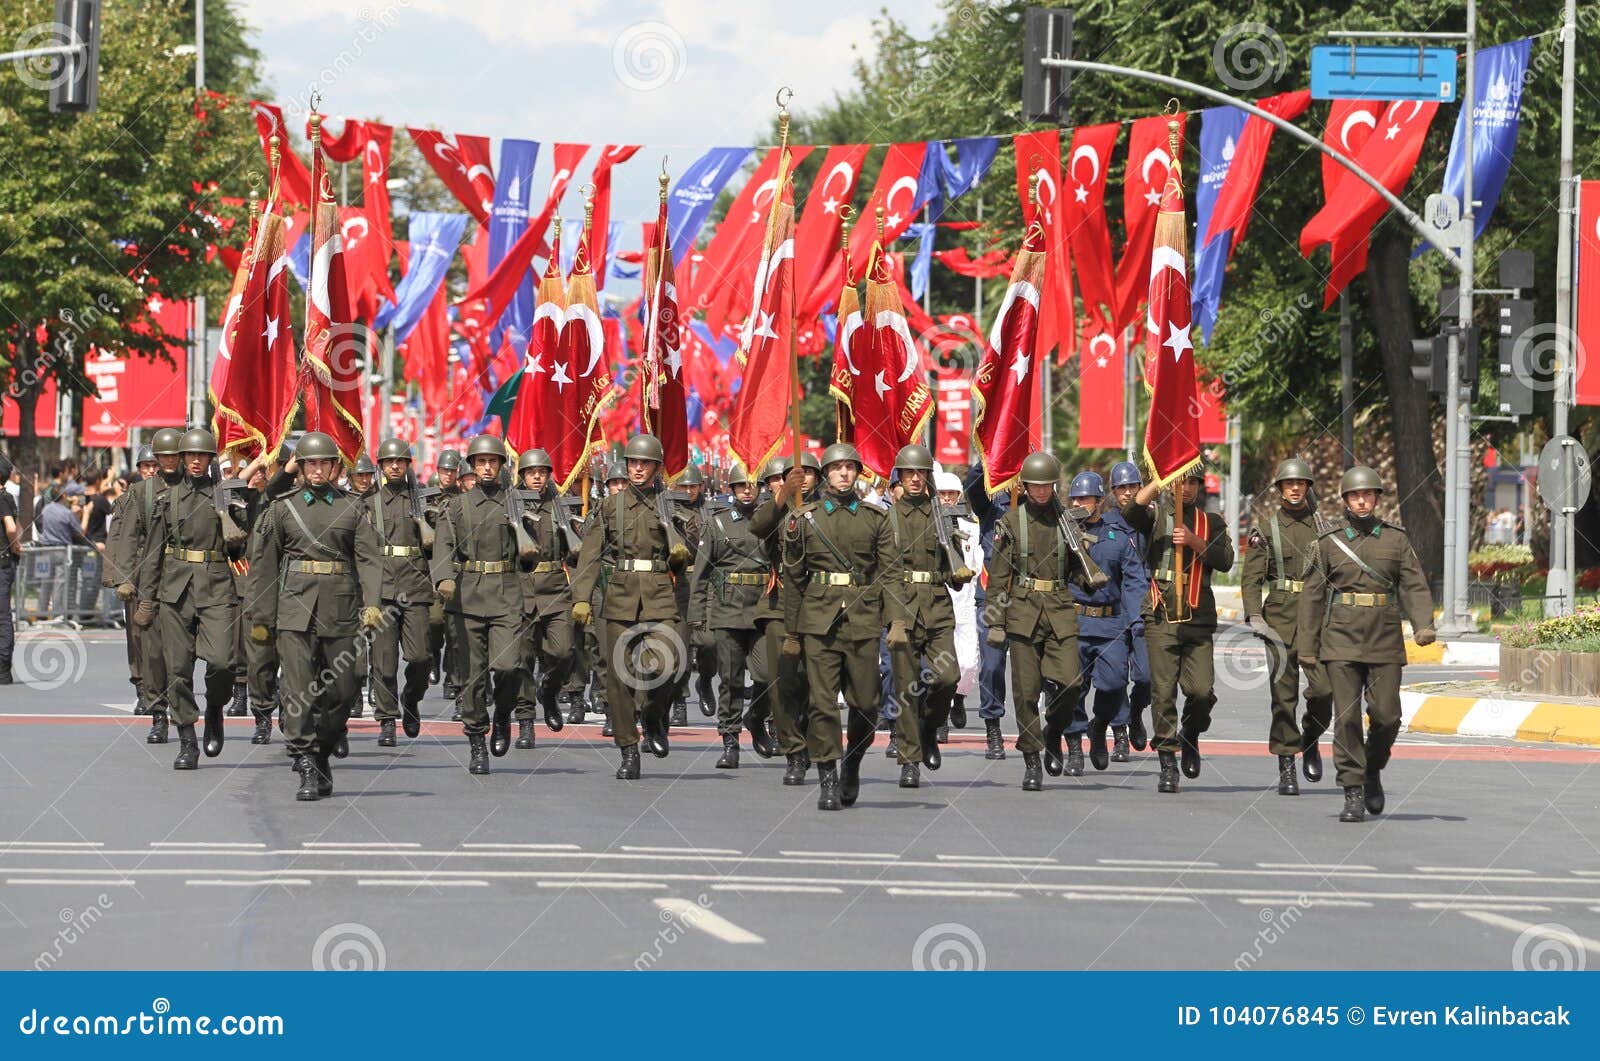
pixel 60 584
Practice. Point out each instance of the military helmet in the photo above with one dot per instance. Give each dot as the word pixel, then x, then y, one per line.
pixel 644 448
pixel 914 458
pixel 198 440
pixel 146 455
pixel 809 460
pixel 394 449
pixel 1041 468
pixel 364 466
pixel 776 468
pixel 533 458
pixel 1197 472
pixel 1125 473
pixel 486 446
pixel 314 445
pixel 1360 477
pixel 616 470
pixel 1293 468
pixel 165 442
pixel 1087 484
pixel 449 461
pixel 737 474
pixel 692 475
pixel 840 451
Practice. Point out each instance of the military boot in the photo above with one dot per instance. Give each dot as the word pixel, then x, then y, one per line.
pixel 655 736
pixel 386 733
pixel 1355 809
pixel 932 758
pixel 525 737
pixel 850 778
pixel 1032 780
pixel 1169 772
pixel 730 752
pixel 552 714
pixel 1311 761
pixel 1054 757
pixel 1074 767
pixel 500 727
pixel 188 750
pixel 629 770
pixel 1099 757
pixel 478 757
pixel 958 712
pixel 575 709
pixel 680 712
pixel 795 773
pixel 760 737
pixel 994 741
pixel 1119 744
pixel 307 770
pixel 1190 751
pixel 324 769
pixel 341 745
pixel 707 696
pixel 239 707
pixel 1288 782
pixel 263 733
pixel 158 729
pixel 213 728
pixel 411 715
pixel 910 776
pixel 141 702
pixel 605 727
pixel 828 788
pixel 1374 791
pixel 1136 734
pixel 455 708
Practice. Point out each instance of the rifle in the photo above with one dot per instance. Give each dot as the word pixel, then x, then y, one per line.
pixel 666 502
pixel 943 517
pixel 568 514
pixel 1069 518
pixel 227 497
pixel 421 496
pixel 516 511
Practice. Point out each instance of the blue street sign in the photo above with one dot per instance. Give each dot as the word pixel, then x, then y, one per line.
pixel 1383 71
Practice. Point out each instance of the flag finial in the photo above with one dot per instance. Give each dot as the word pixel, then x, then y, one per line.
pixel 1033 189
pixel 588 206
pixel 846 212
pixel 880 212
pixel 664 178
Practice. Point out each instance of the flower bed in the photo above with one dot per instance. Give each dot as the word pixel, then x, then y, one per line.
pixel 1559 656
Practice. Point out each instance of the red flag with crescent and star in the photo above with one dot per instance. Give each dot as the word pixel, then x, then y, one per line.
pixel 293 181
pixel 663 401
pixel 1144 175
pixel 722 278
pixel 1004 389
pixel 255 380
pixel 849 350
pixel 817 235
pixel 1040 155
pixel 1083 208
pixel 537 397
pixel 894 401
pixel 335 346
pixel 1350 126
pixel 1101 390
pixel 1172 434
pixel 761 414
pixel 462 163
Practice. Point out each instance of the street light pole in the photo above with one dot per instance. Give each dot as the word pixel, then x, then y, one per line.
pixel 1563 568
pixel 197 355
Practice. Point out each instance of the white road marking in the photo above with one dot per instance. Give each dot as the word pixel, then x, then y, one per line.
pixel 796 889
pixel 714 925
pixel 1114 898
pixel 421 882
pixel 1487 870
pixel 1587 872
pixel 375 844
pixel 681 850
pixel 1479 904
pixel 838 854
pixel 1495 919
pixel 301 881
pixel 1155 863
pixel 1312 867
pixel 203 843
pixel 1360 904
pixel 116 707
pixel 70 880
pixel 523 847
pixel 995 858
pixel 51 843
pixel 596 885
pixel 953 893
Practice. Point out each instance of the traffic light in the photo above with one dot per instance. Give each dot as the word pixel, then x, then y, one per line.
pixel 1430 358
pixel 76 88
pixel 1047 34
pixel 1518 367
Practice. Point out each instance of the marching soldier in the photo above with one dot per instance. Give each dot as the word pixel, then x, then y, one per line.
pixel 636 537
pixel 362 485
pixel 547 655
pixel 783 688
pixel 184 569
pixel 1276 563
pixel 730 580
pixel 406 593
pixel 315 574
pixel 475 572
pixel 117 569
pixel 922 621
pixel 697 509
pixel 1030 611
pixel 442 648
pixel 261 660
pixel 838 554
pixel 1104 616
pixel 128 551
pixel 596 653
pixel 363 476
pixel 1179 633
pixel 1364 577
pixel 1129 726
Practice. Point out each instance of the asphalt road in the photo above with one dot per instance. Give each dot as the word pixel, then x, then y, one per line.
pixel 1488 858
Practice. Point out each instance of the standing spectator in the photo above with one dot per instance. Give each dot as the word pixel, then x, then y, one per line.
pixel 57 524
pixel 10 549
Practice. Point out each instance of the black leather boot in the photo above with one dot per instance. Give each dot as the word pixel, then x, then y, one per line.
pixel 341 745
pixel 760 737
pixel 958 712
pixel 1288 780
pixel 455 708
pixel 1190 751
pixel 307 770
pixel 1119 744
pixel 850 778
pixel 524 733
pixel 500 726
pixel 910 776
pixel 141 703
pixel 629 770
pixel 386 733
pixel 932 758
pixel 238 707
pixel 212 730
pixel 1311 761
pixel 324 769
pixel 263 733
pixel 680 712
pixel 1374 791
pixel 994 741
pixel 605 727
pixel 707 696
pixel 1099 756
pixel 1032 780
pixel 575 710
pixel 655 736
pixel 1136 733
pixel 359 708
pixel 1074 756
pixel 552 712
pixel 158 729
pixel 411 698
pixel 730 752
pixel 1169 772
pixel 1355 809
pixel 1054 757
pixel 188 750
pixel 795 773
pixel 828 787
pixel 478 754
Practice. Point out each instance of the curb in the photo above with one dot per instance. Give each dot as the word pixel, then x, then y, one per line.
pixel 1524 720
pixel 1484 654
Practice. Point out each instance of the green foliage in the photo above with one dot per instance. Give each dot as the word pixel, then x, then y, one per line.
pixel 1578 632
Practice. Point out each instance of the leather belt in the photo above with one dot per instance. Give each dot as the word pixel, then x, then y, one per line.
pixel 1366 600
pixel 1044 585
pixel 1290 585
pixel 835 578
pixel 546 566
pixel 1097 611
pixel 196 556
pixel 641 565
pixel 739 578
pixel 487 567
pixel 402 550
pixel 319 567
pixel 920 577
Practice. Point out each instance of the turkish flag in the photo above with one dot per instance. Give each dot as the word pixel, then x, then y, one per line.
pixel 1003 391
pixel 896 192
pixel 1083 209
pixel 1172 434
pixel 462 163
pixel 1585 368
pixel 538 397
pixel 662 400
pixel 255 381
pixel 350 142
pixel 1144 175
pixel 1238 195
pixel 1389 154
pixel 730 258
pixel 816 237
pixel 426 355
pixel 375 204
pixel 366 264
pixel 1350 125
pixel 894 401
pixel 1041 157
pixel 849 351
pixel 336 348
pixel 760 417
pixel 610 155
pixel 293 181
pixel 1212 413
pixel 138 392
pixel 1101 389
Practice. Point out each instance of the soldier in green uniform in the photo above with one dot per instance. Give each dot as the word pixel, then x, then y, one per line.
pixel 363 484
pixel 1277 559
pixel 637 539
pixel 404 543
pixel 1029 610
pixel 783 689
pixel 703 656
pixel 547 656
pixel 185 570
pixel 316 573
pixel 922 620
pixel 730 580
pixel 129 553
pixel 837 556
pixel 1179 633
pixel 116 569
pixel 475 572
pixel 442 647
pixel 261 660
pixel 1364 578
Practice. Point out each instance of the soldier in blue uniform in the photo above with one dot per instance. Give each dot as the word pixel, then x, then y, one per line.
pixel 1129 723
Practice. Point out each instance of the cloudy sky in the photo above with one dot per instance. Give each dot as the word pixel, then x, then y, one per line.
pixel 675 75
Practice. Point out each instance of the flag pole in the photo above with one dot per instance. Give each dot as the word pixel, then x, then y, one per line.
pixel 846 212
pixel 786 94
pixel 1177 488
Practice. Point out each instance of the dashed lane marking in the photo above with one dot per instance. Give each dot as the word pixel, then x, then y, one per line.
pixel 782 889
pixel 1499 920
pixel 840 854
pixel 680 850
pixel 1036 859
pixel 522 847
pixel 1155 863
pixel 1312 867
pixel 215 883
pixel 121 883
pixel 225 844
pixel 375 845
pixel 952 893
pixel 712 924
pixel 1480 904
pixel 1497 871
pixel 419 882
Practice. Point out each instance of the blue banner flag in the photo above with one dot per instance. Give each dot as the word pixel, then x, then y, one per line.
pixel 509 218
pixel 1220 128
pixel 923 262
pixel 941 181
pixel 691 199
pixel 434 240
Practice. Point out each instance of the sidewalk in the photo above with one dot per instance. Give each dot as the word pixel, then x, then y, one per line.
pixel 1483 709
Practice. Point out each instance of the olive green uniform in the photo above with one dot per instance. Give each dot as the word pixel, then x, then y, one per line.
pixel 546 609
pixel 1030 598
pixel 408 597
pixel 703 657
pixel 117 567
pixel 1180 652
pixel 474 546
pixel 730 581
pixel 642 630
pixel 127 552
pixel 1364 577
pixel 783 688
pixel 443 649
pixel 315 565
pixel 838 555
pixel 925 670
pixel 261 661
